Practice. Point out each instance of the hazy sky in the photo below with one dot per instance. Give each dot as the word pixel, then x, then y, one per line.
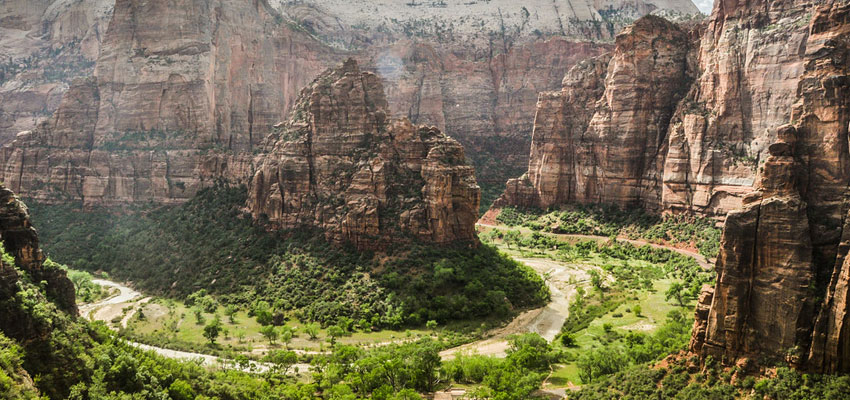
pixel 704 5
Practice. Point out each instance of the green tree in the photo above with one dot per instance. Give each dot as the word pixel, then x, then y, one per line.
pixel 597 363
pixel 181 390
pixel 269 332
pixel 286 335
pixel 334 331
pixel 282 360
pixel 263 313
pixel 230 312
pixel 199 316
pixel 312 330
pixel 637 310
pixel 676 291
pixel 212 330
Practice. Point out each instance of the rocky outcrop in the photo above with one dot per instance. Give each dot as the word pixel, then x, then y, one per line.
pixel 341 164
pixel 20 240
pixel 603 137
pixel 746 61
pixel 762 302
pixel 182 96
pixel 782 273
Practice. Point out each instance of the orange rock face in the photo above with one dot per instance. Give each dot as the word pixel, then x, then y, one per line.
pixel 603 137
pixel 782 289
pixel 182 95
pixel 340 164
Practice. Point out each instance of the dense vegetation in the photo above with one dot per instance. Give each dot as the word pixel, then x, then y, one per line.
pixel 604 332
pixel 609 220
pixel 209 243
pixel 685 380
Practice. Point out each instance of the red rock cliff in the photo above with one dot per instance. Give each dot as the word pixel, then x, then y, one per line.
pixel 342 165
pixel 602 138
pixel 783 278
pixel 183 94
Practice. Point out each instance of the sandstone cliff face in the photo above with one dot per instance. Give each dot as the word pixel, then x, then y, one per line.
pixel 782 271
pixel 182 95
pixel 750 58
pixel 342 165
pixel 746 61
pixel 45 45
pixel 603 137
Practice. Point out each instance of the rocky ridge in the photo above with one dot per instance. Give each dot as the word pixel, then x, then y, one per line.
pixel 20 240
pixel 341 164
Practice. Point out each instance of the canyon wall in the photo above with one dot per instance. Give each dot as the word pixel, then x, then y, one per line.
pixel 782 287
pixel 602 138
pixel 686 135
pixel 341 164
pixel 44 46
pixel 181 96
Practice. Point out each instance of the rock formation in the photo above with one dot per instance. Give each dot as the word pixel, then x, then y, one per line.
pixel 782 285
pixel 341 164
pixel 20 240
pixel 182 95
pixel 736 85
pixel 603 137
pixel 44 46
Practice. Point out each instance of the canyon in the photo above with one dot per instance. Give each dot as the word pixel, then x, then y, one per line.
pixel 742 117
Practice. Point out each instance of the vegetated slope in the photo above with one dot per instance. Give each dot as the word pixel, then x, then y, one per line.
pixel 46 352
pixel 209 243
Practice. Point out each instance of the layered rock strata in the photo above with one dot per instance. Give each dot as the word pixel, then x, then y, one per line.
pixel 739 84
pixel 342 165
pixel 44 46
pixel 182 95
pixel 602 138
pixel 783 278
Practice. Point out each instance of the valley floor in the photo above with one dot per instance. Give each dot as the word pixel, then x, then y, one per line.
pixel 145 317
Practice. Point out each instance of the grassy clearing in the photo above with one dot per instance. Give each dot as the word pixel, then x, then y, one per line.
pixel 172 324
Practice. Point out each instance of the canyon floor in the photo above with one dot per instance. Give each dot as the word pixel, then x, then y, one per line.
pixel 562 278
